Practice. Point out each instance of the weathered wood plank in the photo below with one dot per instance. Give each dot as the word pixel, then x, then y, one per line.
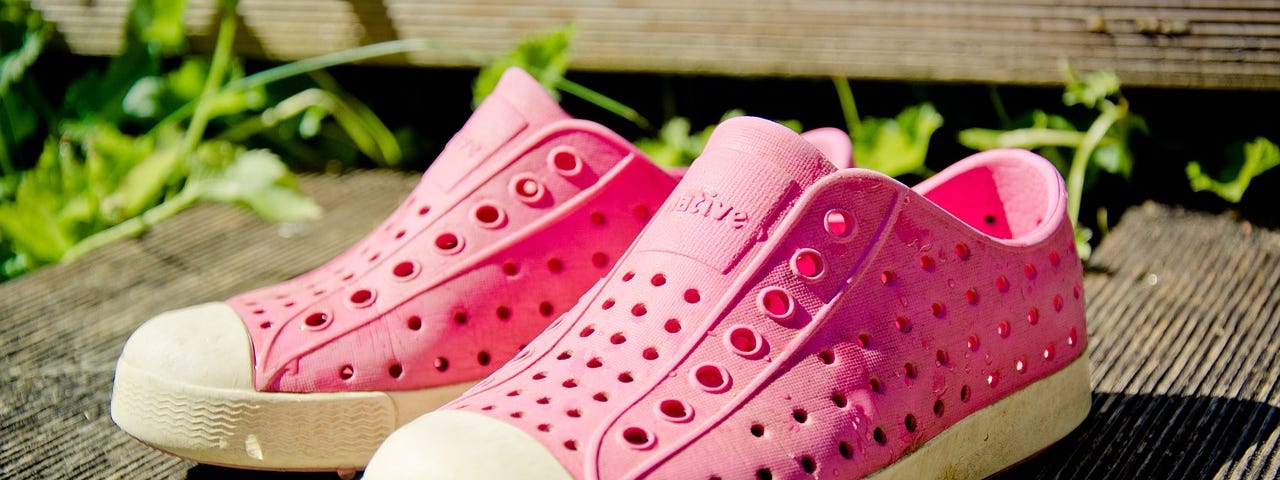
pixel 1215 44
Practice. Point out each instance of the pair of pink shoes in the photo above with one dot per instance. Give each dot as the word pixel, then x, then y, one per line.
pixel 768 316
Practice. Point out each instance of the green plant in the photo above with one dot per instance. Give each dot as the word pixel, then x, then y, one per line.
pixel 1258 156
pixel 1103 145
pixel 895 146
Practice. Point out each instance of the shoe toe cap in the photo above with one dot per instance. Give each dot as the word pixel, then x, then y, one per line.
pixel 452 444
pixel 205 345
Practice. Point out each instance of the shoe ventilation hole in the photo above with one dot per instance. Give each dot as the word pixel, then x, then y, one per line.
pixel 375 257
pixel 489 216
pixel 972 342
pixel 460 317
pixel 448 242
pixel 993 379
pixel 546 309
pixel 938 310
pixel 347 372
pixel 1029 271
pixel 543 401
pixel 776 303
pixel 1020 365
pixel 618 338
pixel 747 342
pixel 608 303
pixel 486 408
pixel 600 260
pixel 544 427
pixel 424 210
pixel 799 415
pixel 638 310
pixel 764 474
pixel 807 263
pixel 510 269
pixel 1075 292
pixel 864 340
pixel 570 383
pixel 886 277
pixel 971 297
pixel 503 313
pixel 571 445
pixel 625 377
pixel 587 331
pixel 1071 337
pixel 595 363
pixel 658 280
pixel 910 370
pixel 565 355
pixel 757 430
pixel 573 413
pixel 838 399
pixel 808 464
pixel 540 375
pixel 318 292
pixel 626 277
pixel 555 265
pixel 362 298
pixel 838 223
pixel 637 437
pixel 942 358
pixel 846 450
pixel 566 162
pixel 405 270
pixel 674 410
pixel 1054 259
pixel 910 422
pixel 527 189
pixel 879 436
pixel 641 212
pixel 264 325
pixel 596 218
pixel 600 397
pixel 938 407
pixel 414 323
pixel 672 326
pixel 1002 329
pixel 399 234
pixel 650 353
pixel 317 320
pixel 962 251
pixel 692 296
pixel 483 358
pixel 711 378
pixel 258 311
pixel 395 370
pixel 926 263
pixel 902 324
pixel 827 357
pixel 1058 303
pixel 441 364
pixel 964 393
pixel 875 385
pixel 1002 284
pixel 1048 352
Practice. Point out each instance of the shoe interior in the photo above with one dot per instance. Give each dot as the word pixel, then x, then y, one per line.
pixel 1006 194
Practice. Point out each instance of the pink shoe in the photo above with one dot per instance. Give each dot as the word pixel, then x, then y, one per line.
pixel 780 318
pixel 523 211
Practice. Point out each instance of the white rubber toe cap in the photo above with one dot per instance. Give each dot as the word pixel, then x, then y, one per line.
pixel 205 345
pixel 452 444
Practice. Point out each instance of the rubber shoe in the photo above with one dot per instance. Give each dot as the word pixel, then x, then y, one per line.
pixel 521 213
pixel 781 318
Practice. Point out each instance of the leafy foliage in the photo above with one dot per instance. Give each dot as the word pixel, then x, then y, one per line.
pixel 1259 156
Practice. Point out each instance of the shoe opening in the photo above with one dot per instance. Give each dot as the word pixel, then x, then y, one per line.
pixel 1006 194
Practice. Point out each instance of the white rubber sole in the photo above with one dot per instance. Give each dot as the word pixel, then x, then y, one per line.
pixel 1004 433
pixel 264 430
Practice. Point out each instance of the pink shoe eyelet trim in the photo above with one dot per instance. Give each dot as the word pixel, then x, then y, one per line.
pixel 316 321
pixel 362 298
pixel 449 243
pixel 527 188
pixel 565 161
pixel 776 303
pixel 839 223
pixel 489 216
pixel 744 341
pixel 710 378
pixel 637 438
pixel 808 264
pixel 405 271
pixel 674 410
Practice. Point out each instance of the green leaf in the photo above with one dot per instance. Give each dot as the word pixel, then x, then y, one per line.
pixel 144 185
pixel 14 65
pixel 1092 89
pixel 258 180
pixel 544 56
pixel 1260 155
pixel 897 146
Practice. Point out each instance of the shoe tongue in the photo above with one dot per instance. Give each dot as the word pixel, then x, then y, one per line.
pixel 517 107
pixel 749 174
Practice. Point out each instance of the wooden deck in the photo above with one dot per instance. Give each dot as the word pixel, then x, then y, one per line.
pixel 1182 43
pixel 1184 318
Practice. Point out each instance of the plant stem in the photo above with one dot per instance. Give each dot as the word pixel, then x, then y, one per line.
pixel 218 68
pixel 1080 161
pixel 1033 138
pixel 134 226
pixel 998 103
pixel 600 100
pixel 8 144
pixel 851 119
